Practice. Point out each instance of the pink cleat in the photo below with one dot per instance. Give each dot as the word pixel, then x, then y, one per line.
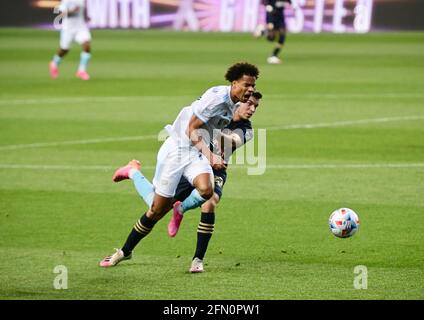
pixel 83 75
pixel 176 219
pixel 122 173
pixel 54 70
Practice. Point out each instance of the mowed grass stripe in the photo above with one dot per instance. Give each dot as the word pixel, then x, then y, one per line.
pixel 268 166
pixel 114 99
pixel 150 137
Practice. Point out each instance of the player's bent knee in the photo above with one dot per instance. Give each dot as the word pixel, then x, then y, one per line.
pixel 62 52
pixel 206 192
pixel 211 204
pixel 86 46
pixel 270 37
pixel 159 208
pixel 214 199
pixel 155 214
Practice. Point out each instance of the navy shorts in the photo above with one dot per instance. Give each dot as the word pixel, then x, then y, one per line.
pixel 277 19
pixel 184 188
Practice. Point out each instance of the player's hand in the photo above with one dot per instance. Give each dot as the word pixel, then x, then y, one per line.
pixel 217 162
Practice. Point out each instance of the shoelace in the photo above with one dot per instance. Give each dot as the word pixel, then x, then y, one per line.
pixel 107 259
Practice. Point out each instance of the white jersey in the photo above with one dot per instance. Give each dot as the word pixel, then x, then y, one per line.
pixel 214 108
pixel 73 20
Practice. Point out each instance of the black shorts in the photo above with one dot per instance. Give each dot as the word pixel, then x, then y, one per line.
pixel 184 188
pixel 277 19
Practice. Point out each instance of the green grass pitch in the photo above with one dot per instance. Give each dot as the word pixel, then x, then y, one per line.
pixel 361 95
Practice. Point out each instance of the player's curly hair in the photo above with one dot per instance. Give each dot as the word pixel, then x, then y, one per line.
pixel 238 70
pixel 257 95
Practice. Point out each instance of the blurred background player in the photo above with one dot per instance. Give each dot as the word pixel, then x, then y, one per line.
pixel 275 29
pixel 73 28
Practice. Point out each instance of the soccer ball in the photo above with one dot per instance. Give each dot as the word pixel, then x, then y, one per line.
pixel 344 222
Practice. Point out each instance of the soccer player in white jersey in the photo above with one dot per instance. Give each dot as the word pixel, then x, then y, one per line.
pixel 186 152
pixel 73 28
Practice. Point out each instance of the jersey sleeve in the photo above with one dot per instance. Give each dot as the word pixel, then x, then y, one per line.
pixel 205 107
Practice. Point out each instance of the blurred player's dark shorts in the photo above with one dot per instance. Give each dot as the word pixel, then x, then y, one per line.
pixel 185 188
pixel 277 19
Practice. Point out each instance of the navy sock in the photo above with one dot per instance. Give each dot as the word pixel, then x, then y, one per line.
pixel 142 228
pixel 204 233
pixel 276 52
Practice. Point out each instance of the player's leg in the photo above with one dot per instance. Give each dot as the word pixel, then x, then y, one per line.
pixel 196 198
pixel 279 31
pixel 259 31
pixel 83 37
pixel 168 173
pixel 142 227
pixel 274 58
pixel 184 191
pixel 160 206
pixel 279 45
pixel 270 33
pixel 207 222
pixel 204 233
pixel 66 37
pixel 269 20
pixel 142 184
pixel 200 175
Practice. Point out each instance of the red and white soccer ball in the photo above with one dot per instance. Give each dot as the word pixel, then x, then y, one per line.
pixel 344 222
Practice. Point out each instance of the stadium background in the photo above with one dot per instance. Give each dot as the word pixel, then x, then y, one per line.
pixel 386 14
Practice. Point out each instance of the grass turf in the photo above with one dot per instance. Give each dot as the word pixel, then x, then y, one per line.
pixel 362 95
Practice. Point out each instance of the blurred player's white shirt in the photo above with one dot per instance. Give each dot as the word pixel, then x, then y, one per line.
pixel 214 108
pixel 74 27
pixel 73 20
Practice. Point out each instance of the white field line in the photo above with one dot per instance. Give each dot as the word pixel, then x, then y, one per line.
pixel 75 142
pixel 151 137
pixel 337 96
pixel 345 123
pixel 69 100
pixel 76 100
pixel 346 166
pixel 271 166
pixel 66 100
